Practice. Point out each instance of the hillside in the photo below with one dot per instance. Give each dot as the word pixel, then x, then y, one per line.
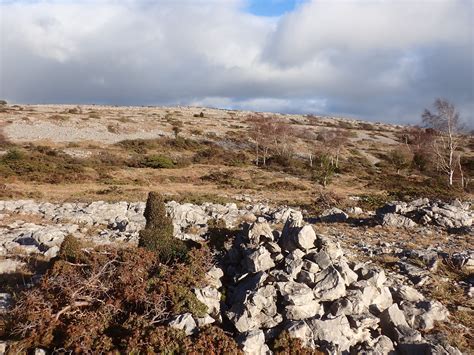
pixel 80 153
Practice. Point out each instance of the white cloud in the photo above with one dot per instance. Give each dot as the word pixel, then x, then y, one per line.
pixel 380 59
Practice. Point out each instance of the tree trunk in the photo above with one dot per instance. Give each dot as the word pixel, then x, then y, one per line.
pixel 461 172
pixel 256 148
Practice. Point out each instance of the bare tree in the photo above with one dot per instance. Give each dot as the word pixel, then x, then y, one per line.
pixel 446 122
pixel 334 141
pixel 256 134
pixel 400 157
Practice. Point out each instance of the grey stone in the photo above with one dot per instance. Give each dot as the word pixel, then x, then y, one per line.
pixel 301 330
pixel 260 232
pixel 211 298
pixel 10 265
pixel 5 302
pixel 406 293
pixel 253 343
pixel 184 322
pixel 329 246
pixel 203 321
pixel 335 331
pixel 321 258
pixel 355 210
pixel 347 274
pixel 396 220
pixel 424 314
pixel 329 285
pixel 394 324
pixel 304 311
pixel 214 276
pixel 293 263
pixel 259 260
pixel 333 215
pixel 296 293
pixel 310 266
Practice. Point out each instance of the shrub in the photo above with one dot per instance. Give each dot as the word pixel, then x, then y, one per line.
pixel 214 341
pixel 3 102
pixel 57 117
pixel 41 164
pixel 324 170
pixel 422 160
pixel 158 162
pixel 215 154
pixel 158 233
pixel 71 249
pixel 400 158
pixel 14 154
pixel 111 300
pixel 285 345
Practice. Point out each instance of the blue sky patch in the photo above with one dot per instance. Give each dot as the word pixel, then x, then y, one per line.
pixel 271 7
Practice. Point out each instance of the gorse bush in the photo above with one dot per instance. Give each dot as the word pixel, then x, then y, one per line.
pixel 158 233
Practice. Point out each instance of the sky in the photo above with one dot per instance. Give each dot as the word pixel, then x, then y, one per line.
pixel 380 60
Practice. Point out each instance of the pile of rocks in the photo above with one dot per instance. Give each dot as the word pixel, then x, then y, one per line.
pixel 425 212
pixel 301 282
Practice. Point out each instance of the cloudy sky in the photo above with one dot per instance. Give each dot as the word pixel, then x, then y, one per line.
pixel 383 60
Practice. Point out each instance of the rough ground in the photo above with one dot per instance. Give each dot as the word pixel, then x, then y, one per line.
pixel 361 281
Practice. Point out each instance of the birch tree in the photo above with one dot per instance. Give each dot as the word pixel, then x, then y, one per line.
pixel 446 122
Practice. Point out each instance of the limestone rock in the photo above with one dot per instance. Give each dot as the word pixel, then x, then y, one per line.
pixel 296 293
pixel 259 260
pixel 184 322
pixel 211 298
pixel 329 285
pixel 396 220
pixel 304 311
pixel 333 215
pixel 253 343
pixel 305 238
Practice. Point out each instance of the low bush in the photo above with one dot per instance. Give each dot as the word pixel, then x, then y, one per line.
pixel 158 233
pixel 286 186
pixel 157 162
pixel 143 146
pixel 41 164
pixel 285 345
pixel 112 299
pixel 216 155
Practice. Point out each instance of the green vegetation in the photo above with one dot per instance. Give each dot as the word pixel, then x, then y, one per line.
pixel 285 345
pixel 41 164
pixel 117 299
pixel 158 233
pixel 157 162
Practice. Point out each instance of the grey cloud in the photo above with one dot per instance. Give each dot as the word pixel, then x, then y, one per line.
pixel 370 59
